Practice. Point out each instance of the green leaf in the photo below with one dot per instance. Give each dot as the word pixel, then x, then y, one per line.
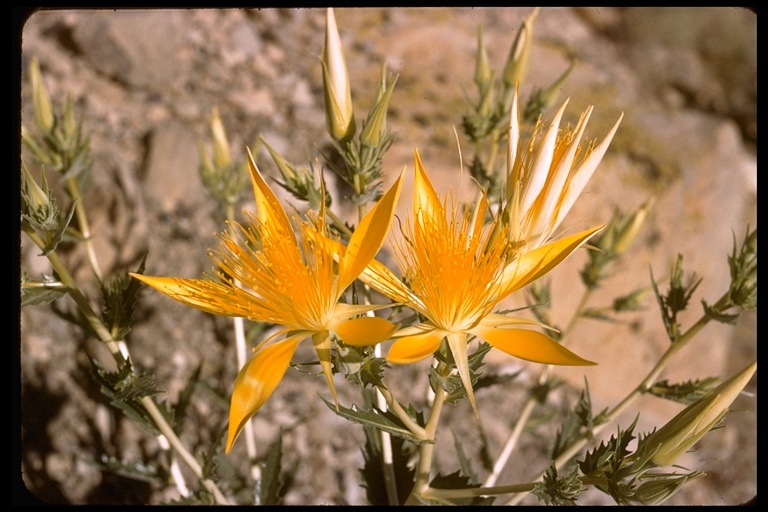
pixel 271 489
pixel 376 418
pixel 559 490
pixel 685 392
pixel 120 298
pixel 372 472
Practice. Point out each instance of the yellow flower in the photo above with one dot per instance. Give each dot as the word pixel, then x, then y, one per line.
pixel 292 274
pixel 457 269
pixel 545 175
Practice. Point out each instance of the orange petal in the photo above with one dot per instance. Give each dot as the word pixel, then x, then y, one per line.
pixel 457 341
pixel 529 345
pixel 369 236
pixel 415 348
pixel 208 296
pixel 268 207
pixel 322 342
pixel 534 264
pixel 363 331
pixel 425 198
pixel 257 380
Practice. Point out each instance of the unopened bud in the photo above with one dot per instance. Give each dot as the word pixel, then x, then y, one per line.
pixel 517 62
pixel 629 231
pixel 376 124
pixel 339 113
pixel 221 154
pixel 692 423
pixel 41 102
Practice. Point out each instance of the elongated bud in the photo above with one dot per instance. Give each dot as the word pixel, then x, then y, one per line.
pixel 37 197
pixel 483 72
pixel 517 63
pixel 376 124
pixel 339 114
pixel 41 102
pixel 692 423
pixel 221 154
pixel 629 231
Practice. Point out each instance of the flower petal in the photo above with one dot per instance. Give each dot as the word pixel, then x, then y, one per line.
pixel 502 321
pixel 425 200
pixel 529 345
pixel 457 341
pixel 257 380
pixel 363 331
pixel 411 349
pixel 534 264
pixel 369 236
pixel 268 207
pixel 322 342
pixel 208 296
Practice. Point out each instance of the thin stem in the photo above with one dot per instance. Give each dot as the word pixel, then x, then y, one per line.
pixel 426 451
pixel 85 229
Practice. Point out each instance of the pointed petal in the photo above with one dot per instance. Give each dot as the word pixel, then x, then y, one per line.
pixel 380 278
pixel 322 343
pixel 369 236
pixel 208 296
pixel 541 165
pixel 425 200
pixel 268 207
pixel 363 331
pixel 534 264
pixel 529 345
pixel 343 311
pixel 415 348
pixel 457 341
pixel 514 141
pixel 502 321
pixel 582 175
pixel 256 381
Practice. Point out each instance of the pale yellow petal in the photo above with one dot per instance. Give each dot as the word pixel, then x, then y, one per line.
pixel 529 345
pixel 256 381
pixel 503 321
pixel 534 264
pixel 363 331
pixel 369 236
pixel 411 349
pixel 380 278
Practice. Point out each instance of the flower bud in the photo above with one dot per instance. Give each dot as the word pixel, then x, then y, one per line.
pixel 693 422
pixel 517 63
pixel 339 114
pixel 630 229
pixel 376 124
pixel 483 72
pixel 36 196
pixel 221 155
pixel 41 102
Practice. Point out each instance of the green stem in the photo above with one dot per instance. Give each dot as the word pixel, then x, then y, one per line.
pixel 426 451
pixel 85 229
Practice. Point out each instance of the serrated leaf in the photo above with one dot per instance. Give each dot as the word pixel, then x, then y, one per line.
pixel 557 490
pixel 134 470
pixel 271 489
pixel 53 238
pixel 120 297
pixel 385 421
pixel 685 392
pixel 372 472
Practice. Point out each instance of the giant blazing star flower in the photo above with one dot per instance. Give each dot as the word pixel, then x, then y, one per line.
pixel 291 274
pixel 457 268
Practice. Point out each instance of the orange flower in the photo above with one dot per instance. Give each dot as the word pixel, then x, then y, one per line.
pixel 292 274
pixel 457 270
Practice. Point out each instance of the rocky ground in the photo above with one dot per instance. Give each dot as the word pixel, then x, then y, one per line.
pixel 146 83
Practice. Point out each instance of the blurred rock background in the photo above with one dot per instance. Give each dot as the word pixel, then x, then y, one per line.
pixel 146 83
